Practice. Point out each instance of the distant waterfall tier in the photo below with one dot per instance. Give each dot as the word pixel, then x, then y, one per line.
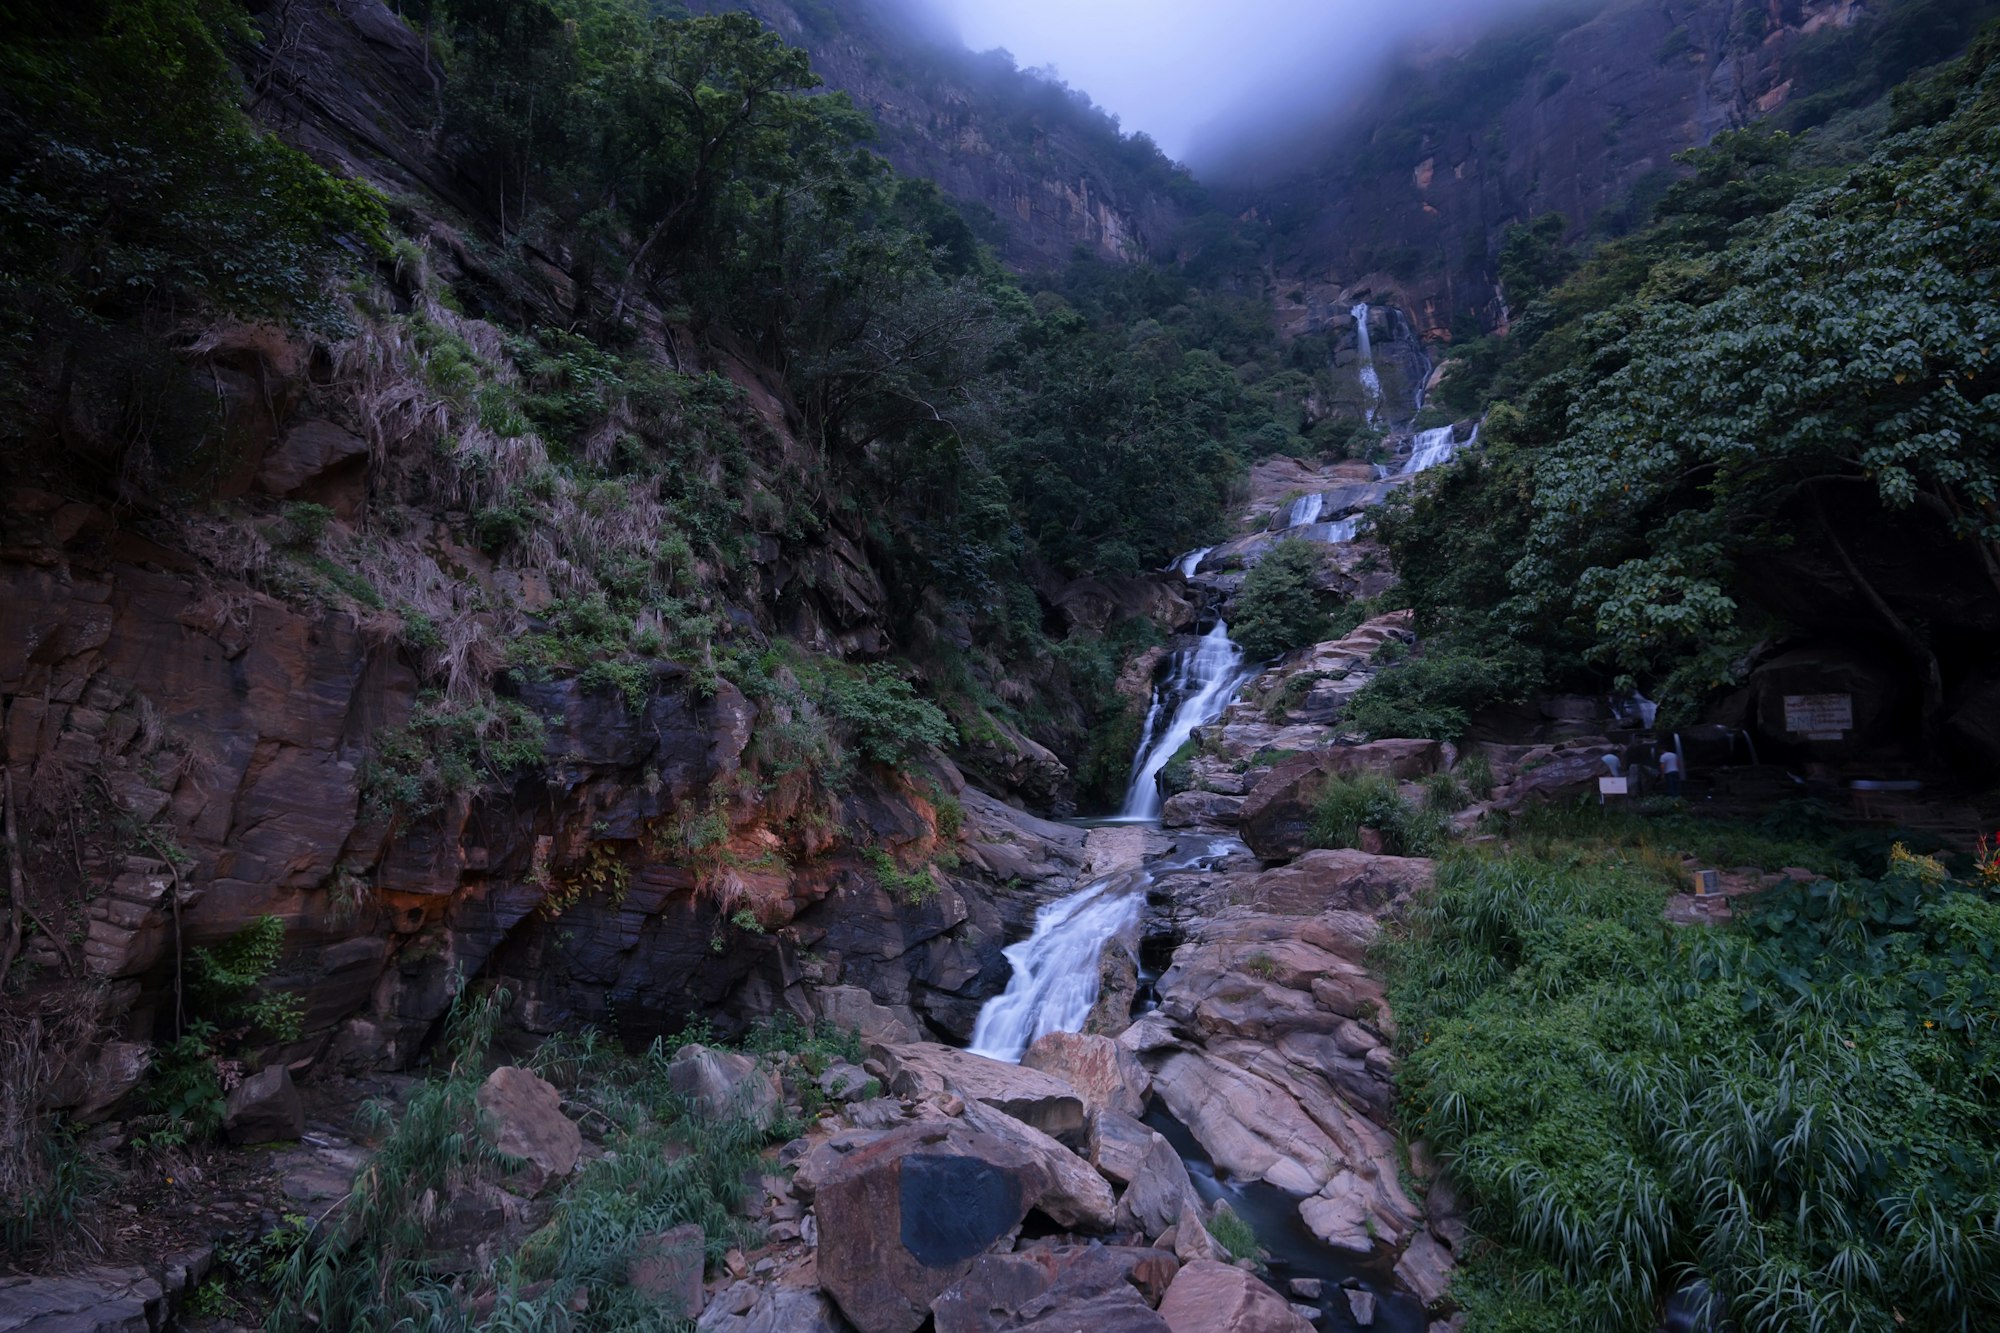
pixel 1341 530
pixel 1433 447
pixel 1304 510
pixel 1360 313
pixel 1190 562
pixel 1371 383
pixel 1054 982
pixel 1199 685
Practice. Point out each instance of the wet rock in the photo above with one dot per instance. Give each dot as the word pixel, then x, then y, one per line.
pixel 1306 1288
pixel 1201 809
pixel 1361 1305
pixel 1104 1075
pixel 99 1300
pixel 724 1084
pixel 264 1108
pixel 1212 1297
pixel 666 1268
pixel 523 1118
pixel 1040 1100
pixel 905 1217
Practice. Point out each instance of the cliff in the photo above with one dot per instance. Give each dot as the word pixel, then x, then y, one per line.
pixel 1577 109
pixel 1039 168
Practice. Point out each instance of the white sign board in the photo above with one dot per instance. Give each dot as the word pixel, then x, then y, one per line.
pixel 1823 716
pixel 1612 786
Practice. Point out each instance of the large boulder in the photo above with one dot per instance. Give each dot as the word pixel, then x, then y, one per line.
pixel 1059 1288
pixel 1426 1268
pixel 521 1115
pixel 1077 1198
pixel 749 1308
pixel 722 1084
pixel 853 1009
pixel 1201 809
pixel 1118 1145
pixel 1104 1074
pixel 264 1108
pixel 1041 1100
pixel 1210 1297
pixel 905 1217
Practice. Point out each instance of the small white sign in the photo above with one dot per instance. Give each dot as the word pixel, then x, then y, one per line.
pixel 1818 714
pixel 1613 786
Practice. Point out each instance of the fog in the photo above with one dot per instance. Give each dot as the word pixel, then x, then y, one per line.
pixel 1213 80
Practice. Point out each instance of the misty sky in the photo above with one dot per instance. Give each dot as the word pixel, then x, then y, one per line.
pixel 1174 67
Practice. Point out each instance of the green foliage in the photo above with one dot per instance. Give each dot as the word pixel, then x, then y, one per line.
pixel 448 748
pixel 915 887
pixel 1434 695
pixel 1801 1109
pixel 228 981
pixel 1352 802
pixel 1280 606
pixel 1233 1234
pixel 882 716
pixel 59 1180
pixel 183 1091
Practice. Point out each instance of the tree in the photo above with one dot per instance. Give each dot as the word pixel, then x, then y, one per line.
pixel 1280 607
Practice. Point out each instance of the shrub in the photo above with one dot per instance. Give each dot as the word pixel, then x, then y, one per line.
pixel 1280 607
pixel 1233 1234
pixel 1435 695
pixel 1351 803
pixel 883 717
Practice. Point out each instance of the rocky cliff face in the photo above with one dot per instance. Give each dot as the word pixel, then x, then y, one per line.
pixel 1036 160
pixel 1578 112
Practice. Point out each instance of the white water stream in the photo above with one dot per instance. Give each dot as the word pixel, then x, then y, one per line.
pixel 1054 983
pixel 1199 685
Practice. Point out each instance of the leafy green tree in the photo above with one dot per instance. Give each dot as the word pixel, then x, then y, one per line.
pixel 1281 607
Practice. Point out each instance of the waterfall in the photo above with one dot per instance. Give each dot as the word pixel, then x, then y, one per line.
pixel 1305 510
pixel 1054 981
pixel 1371 383
pixel 1190 562
pixel 1199 685
pixel 1433 447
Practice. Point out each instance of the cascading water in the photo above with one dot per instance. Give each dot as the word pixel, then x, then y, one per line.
pixel 1054 982
pixel 1340 530
pixel 1190 562
pixel 1203 680
pixel 1306 509
pixel 1371 383
pixel 1433 447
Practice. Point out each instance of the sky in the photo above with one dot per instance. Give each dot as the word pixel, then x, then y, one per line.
pixel 1181 69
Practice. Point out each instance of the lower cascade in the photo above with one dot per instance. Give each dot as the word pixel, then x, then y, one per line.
pixel 1054 983
pixel 1203 680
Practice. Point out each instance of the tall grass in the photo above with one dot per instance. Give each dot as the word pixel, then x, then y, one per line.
pixel 1803 1109
pixel 1351 803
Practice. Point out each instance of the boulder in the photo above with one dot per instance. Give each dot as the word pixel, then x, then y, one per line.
pixel 1076 1196
pixel 843 1082
pixel 666 1268
pixel 1040 1100
pixel 1277 815
pixel 522 1116
pixel 1361 1307
pixel 1118 1145
pixel 1342 878
pixel 723 1083
pixel 1158 1193
pixel 1103 1288
pixel 264 1108
pixel 115 1071
pixel 905 1217
pixel 1555 773
pixel 1123 1311
pixel 1212 1297
pixel 1425 1268
pixel 853 1009
pixel 1105 1075
pixel 1193 1242
pixel 991 1293
pixel 1201 809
